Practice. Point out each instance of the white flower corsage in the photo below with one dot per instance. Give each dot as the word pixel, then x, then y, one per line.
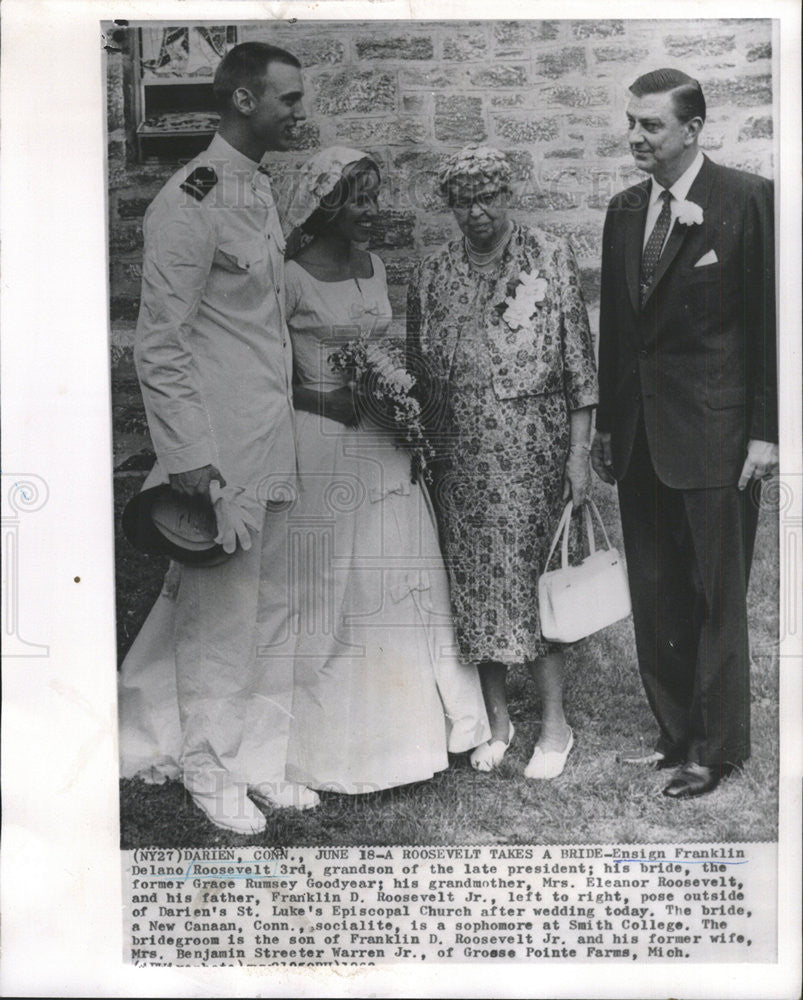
pixel 688 213
pixel 522 298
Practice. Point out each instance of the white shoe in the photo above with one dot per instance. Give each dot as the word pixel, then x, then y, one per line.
pixel 285 795
pixel 225 802
pixel 489 755
pixel 548 765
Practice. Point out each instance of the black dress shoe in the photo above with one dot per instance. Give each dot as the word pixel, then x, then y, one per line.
pixel 695 779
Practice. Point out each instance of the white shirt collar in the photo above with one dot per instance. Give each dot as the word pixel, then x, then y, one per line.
pixel 236 161
pixel 682 185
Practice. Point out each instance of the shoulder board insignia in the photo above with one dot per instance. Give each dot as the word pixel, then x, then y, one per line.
pixel 200 182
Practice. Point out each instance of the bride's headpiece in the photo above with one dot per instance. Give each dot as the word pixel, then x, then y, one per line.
pixel 318 179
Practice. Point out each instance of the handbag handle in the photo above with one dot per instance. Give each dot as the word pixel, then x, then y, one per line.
pixel 564 527
pixel 589 509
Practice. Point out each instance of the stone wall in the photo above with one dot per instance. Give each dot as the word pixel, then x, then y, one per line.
pixel 551 94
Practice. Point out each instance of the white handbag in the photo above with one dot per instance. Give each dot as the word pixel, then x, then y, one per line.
pixel 576 601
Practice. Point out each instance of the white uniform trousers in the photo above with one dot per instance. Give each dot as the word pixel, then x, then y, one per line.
pixel 223 646
pixel 234 660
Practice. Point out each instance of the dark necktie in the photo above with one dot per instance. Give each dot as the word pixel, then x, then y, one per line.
pixel 655 244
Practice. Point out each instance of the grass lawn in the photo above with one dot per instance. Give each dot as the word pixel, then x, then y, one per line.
pixel 596 800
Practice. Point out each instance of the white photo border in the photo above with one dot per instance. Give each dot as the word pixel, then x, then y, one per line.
pixel 61 887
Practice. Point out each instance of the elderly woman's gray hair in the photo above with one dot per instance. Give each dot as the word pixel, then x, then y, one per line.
pixel 473 168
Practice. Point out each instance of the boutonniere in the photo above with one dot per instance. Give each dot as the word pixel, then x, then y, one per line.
pixel 524 295
pixel 688 213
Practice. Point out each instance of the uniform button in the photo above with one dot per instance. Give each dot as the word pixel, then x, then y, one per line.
pixel 642 354
pixel 637 396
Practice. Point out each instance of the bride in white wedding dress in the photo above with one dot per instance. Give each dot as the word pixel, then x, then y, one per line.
pixel 379 694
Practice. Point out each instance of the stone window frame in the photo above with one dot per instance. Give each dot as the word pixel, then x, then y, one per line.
pixel 161 101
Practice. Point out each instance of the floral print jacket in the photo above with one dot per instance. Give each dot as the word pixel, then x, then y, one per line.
pixel 531 310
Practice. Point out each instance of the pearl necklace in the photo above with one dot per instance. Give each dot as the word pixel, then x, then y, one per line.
pixel 484 258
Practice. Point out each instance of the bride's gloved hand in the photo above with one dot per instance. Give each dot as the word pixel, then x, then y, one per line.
pixel 237 514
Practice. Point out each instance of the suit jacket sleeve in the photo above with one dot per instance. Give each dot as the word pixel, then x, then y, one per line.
pixel 608 360
pixel 761 317
pixel 178 257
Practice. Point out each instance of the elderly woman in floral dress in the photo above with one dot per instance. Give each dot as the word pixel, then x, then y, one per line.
pixel 498 322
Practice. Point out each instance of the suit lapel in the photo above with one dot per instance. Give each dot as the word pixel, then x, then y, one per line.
pixel 698 193
pixel 635 214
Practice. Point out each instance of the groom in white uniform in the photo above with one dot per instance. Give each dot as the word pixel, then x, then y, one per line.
pixel 214 362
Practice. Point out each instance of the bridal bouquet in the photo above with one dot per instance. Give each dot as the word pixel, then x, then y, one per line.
pixel 385 389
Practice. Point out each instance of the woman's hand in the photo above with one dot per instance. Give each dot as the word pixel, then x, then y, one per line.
pixel 577 474
pixel 341 405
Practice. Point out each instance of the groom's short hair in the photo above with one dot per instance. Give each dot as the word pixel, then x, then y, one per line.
pixel 245 66
pixel 687 94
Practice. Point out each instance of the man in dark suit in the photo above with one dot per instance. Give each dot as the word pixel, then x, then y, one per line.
pixel 687 420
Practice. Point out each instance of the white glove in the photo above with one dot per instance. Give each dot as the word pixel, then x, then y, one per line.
pixel 235 512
